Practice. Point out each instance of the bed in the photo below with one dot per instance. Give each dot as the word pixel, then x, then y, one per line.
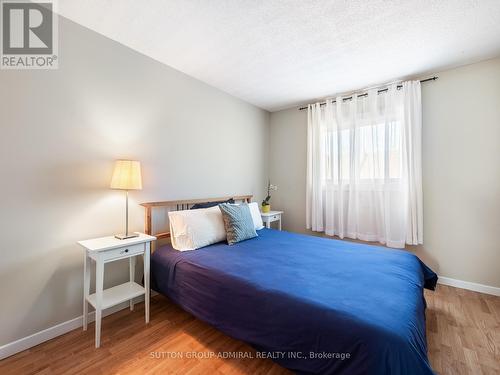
pixel 313 305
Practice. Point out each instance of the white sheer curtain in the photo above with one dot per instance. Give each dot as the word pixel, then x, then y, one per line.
pixel 364 173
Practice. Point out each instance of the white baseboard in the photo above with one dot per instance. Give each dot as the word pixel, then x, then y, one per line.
pixel 60 329
pixel 469 286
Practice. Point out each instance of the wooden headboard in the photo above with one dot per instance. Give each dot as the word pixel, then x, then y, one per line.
pixel 177 206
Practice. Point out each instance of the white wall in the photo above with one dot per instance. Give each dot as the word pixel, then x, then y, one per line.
pixel 61 131
pixel 461 172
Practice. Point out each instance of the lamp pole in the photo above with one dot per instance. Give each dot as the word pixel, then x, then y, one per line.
pixel 126 214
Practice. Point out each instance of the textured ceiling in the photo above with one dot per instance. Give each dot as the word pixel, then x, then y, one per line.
pixel 276 54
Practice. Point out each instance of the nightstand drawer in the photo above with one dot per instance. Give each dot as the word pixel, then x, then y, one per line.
pixel 271 218
pixel 123 252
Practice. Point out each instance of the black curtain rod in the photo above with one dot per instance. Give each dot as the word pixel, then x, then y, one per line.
pixel 378 92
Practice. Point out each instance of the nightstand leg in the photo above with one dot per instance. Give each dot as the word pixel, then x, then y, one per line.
pixel 86 289
pixel 146 279
pixel 131 262
pixel 99 277
pixel 279 223
pixel 268 224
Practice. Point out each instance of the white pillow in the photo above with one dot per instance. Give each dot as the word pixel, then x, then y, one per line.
pixel 192 229
pixel 257 219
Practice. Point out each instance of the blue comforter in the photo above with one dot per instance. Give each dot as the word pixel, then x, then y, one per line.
pixel 315 305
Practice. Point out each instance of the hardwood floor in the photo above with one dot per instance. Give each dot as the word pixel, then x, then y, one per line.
pixel 463 333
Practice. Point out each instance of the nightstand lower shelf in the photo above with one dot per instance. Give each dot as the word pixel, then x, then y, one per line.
pixel 117 294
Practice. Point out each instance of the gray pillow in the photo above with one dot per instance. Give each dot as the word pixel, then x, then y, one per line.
pixel 210 204
pixel 238 222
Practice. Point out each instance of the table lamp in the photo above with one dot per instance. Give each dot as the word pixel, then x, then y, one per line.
pixel 126 176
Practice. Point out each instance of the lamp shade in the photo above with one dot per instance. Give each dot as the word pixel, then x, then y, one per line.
pixel 127 175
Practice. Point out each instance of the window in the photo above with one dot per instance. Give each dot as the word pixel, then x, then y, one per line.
pixel 370 152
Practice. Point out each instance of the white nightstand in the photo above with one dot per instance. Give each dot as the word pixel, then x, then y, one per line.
pixel 108 249
pixel 269 217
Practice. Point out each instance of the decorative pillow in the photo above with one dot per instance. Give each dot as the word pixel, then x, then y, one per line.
pixel 238 222
pixel 192 229
pixel 257 219
pixel 210 204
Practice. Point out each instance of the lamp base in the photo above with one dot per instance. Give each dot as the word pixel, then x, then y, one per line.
pixel 126 236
